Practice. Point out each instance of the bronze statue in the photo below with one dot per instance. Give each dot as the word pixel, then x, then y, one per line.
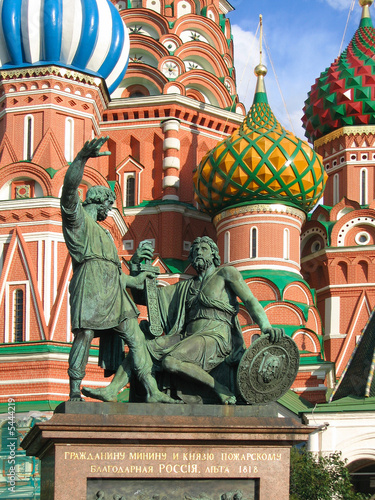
pixel 100 305
pixel 199 318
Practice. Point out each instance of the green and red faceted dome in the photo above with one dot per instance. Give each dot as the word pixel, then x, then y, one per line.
pixel 261 162
pixel 344 94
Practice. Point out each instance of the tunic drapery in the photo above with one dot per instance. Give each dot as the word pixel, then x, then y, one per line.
pixel 98 298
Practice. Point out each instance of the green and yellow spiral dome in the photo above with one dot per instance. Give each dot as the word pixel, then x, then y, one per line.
pixel 259 162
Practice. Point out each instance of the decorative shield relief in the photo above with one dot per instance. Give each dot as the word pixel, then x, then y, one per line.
pixel 266 371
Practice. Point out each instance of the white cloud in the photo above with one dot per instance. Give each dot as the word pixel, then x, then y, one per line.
pixel 246 57
pixel 339 4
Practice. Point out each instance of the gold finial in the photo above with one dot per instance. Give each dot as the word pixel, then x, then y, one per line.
pixel 365 4
pixel 260 70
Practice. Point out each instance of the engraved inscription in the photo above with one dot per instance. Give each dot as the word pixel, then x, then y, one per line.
pixel 153 463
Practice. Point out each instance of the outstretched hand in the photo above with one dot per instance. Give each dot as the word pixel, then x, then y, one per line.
pixel 274 334
pixel 91 149
pixel 143 252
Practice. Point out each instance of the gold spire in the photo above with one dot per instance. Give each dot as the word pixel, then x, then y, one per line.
pixel 261 70
pixel 365 4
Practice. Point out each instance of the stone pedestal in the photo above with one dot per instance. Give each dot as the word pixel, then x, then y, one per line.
pixel 164 452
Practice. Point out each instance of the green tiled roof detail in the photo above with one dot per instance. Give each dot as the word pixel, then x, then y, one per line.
pixel 329 228
pixel 112 185
pixel 278 278
pixel 312 360
pixel 176 266
pixel 295 403
pixel 259 162
pixel 346 404
pixel 51 171
pixel 344 93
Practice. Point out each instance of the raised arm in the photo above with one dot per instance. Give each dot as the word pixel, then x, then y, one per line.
pixel 235 281
pixel 74 174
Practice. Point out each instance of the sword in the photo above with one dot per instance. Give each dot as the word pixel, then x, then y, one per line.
pixel 154 319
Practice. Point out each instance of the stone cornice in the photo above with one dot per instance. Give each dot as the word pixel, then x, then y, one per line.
pixel 225 6
pixel 57 71
pixel 174 99
pixel 262 208
pixel 50 70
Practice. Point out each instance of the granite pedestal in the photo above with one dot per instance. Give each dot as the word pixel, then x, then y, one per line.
pixel 164 452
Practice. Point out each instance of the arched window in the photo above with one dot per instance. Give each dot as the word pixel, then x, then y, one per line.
pixel 69 140
pixel 18 315
pixel 286 244
pixel 28 138
pixel 336 190
pixel 342 273
pixel 363 186
pixel 129 190
pixel 253 242
pixel 226 247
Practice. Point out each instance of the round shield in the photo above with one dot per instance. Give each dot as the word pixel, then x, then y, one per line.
pixel 266 371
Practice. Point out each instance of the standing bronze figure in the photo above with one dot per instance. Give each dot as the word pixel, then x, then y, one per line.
pixel 100 305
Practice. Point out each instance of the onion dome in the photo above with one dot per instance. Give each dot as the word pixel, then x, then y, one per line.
pixel 85 35
pixel 344 93
pixel 259 162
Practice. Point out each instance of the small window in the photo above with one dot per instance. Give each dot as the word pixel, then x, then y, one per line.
pixel 253 243
pixel 286 248
pixel 316 246
pixel 69 140
pixel 362 238
pixel 226 247
pixel 128 245
pixel 151 241
pixel 28 138
pixel 18 316
pixel 363 186
pixel 336 191
pixel 187 246
pixel 130 191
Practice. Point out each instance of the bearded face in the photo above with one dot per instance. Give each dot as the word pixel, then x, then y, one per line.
pixel 202 257
pixel 103 209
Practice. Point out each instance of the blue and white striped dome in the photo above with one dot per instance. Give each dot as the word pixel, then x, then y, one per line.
pixel 84 35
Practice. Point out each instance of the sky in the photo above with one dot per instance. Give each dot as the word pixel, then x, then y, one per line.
pixel 303 38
